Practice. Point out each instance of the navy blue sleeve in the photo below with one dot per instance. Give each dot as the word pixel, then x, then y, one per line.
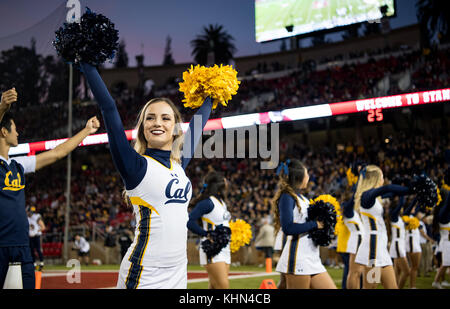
pixel 408 209
pixel 348 207
pixel 394 213
pixel 129 163
pixel 194 133
pixel 202 208
pixel 369 196
pixel 286 206
pixel 444 213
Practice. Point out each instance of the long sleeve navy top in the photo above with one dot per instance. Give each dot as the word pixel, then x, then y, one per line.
pixel 369 196
pixel 286 206
pixel 348 206
pixel 394 213
pixel 201 208
pixel 131 165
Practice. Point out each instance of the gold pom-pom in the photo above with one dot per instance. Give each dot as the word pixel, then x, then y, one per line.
pixel 241 234
pixel 445 186
pixel 411 223
pixel 217 82
pixel 351 178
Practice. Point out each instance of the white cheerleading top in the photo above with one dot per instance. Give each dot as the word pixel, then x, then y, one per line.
pixel 218 216
pixel 299 255
pixel 160 203
pixel 35 228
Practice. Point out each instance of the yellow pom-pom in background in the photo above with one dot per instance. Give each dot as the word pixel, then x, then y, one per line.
pixel 241 234
pixel 351 178
pixel 411 223
pixel 219 83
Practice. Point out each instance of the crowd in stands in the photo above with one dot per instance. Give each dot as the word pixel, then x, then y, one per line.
pixel 96 194
pixel 357 80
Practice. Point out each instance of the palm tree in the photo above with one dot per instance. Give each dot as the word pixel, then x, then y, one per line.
pixel 434 19
pixel 213 46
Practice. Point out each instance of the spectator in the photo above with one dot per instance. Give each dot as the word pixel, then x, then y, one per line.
pixel 83 247
pixel 265 240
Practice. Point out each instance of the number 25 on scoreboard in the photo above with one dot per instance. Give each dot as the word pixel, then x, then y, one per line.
pixel 375 115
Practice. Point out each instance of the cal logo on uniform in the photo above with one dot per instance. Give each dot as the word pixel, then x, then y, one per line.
pixel 13 183
pixel 176 194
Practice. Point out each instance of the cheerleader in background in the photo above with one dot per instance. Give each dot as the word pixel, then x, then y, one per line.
pixel 211 209
pixel 373 257
pixel 441 222
pixel 280 241
pixel 397 249
pixel 343 248
pixel 300 258
pixel 413 248
pixel 354 225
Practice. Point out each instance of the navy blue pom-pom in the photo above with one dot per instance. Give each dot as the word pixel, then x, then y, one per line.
pixel 93 40
pixel 325 213
pixel 218 239
pixel 425 189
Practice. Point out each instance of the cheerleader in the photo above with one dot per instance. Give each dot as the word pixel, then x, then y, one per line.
pixel 211 209
pixel 280 241
pixel 397 248
pixel 352 222
pixel 156 185
pixel 441 220
pixel 413 248
pixel 373 256
pixel 300 258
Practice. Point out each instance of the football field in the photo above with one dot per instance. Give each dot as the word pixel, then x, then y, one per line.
pixel 272 16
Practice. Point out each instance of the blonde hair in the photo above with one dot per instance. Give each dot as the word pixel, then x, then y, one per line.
pixel 140 143
pixel 369 178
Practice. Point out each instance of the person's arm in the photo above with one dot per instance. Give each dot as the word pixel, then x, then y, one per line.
pixel 408 209
pixel 394 213
pixel 41 224
pixel 8 97
pixel 129 163
pixel 51 156
pixel 369 196
pixel 194 132
pixel 444 213
pixel 286 206
pixel 202 208
pixel 422 232
pixel 348 207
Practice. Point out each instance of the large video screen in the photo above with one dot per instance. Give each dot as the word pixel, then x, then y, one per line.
pixel 273 18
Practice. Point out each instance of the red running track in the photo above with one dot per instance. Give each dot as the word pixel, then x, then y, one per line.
pixel 97 280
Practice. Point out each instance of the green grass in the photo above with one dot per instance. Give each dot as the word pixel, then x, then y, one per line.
pixel 246 283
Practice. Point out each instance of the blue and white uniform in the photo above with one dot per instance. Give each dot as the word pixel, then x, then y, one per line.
pixel 412 240
pixel 444 231
pixel 353 222
pixel 397 247
pixel 159 191
pixel 373 250
pixel 213 212
pixel 14 228
pixel 299 256
pixel 280 241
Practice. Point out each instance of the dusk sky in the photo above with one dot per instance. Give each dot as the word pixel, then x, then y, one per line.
pixel 145 24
